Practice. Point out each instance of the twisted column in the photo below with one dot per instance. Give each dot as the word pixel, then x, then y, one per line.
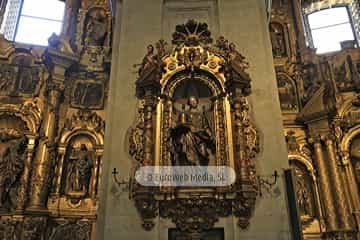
pixel 344 220
pixel 324 185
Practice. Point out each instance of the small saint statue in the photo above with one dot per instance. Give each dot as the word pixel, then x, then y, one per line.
pixel 192 140
pixel 79 170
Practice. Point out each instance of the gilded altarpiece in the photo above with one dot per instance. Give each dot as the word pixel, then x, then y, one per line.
pixel 52 123
pixel 193 111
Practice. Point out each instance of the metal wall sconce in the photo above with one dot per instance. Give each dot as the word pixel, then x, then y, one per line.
pixel 123 184
pixel 267 182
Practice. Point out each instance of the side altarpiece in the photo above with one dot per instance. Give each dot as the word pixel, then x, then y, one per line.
pixel 193 111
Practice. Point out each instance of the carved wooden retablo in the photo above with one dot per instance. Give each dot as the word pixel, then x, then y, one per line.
pixel 193 111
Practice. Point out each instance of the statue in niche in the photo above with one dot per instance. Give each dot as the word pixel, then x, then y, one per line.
pixel 71 15
pixel 88 94
pixel 347 75
pixel 7 76
pixel 303 197
pixel 12 150
pixel 96 26
pixel 355 158
pixel 287 93
pixel 303 194
pixel 312 82
pixel 27 79
pixel 277 40
pixel 191 139
pixel 80 165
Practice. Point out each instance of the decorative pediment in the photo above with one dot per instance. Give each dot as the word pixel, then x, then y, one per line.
pixel 28 111
pixel 84 120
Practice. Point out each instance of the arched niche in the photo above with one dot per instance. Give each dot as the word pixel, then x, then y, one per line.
pixel 194 98
pixel 28 112
pixel 21 74
pixel 354 152
pixel 78 165
pixel 95 27
pixel 14 161
pixel 306 192
pixel 288 96
pixel 279 40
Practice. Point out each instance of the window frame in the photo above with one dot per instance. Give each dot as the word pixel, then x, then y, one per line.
pixel 20 15
pixel 308 29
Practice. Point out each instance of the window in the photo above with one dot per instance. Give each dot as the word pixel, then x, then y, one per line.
pixel 329 27
pixel 33 21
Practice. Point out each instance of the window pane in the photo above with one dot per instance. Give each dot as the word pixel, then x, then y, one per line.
pixel 328 39
pixel 36 31
pixel 328 17
pixel 51 9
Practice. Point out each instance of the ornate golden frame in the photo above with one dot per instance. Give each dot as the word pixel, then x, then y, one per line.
pixel 222 69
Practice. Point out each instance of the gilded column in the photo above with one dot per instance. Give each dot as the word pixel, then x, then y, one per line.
pixel 57 178
pixel 318 201
pixel 23 189
pixel 345 221
pixel 239 152
pixel 351 184
pixel 45 151
pixel 324 182
pixel 59 59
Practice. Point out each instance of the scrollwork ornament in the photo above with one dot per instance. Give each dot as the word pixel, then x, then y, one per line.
pixel 148 209
pixel 34 228
pixel 195 215
pixel 72 230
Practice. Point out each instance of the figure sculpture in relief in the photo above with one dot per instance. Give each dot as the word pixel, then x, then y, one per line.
pixel 192 140
pixel 11 164
pixel 79 170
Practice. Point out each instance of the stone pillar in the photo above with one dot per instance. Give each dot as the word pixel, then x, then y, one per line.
pixel 60 62
pixel 324 184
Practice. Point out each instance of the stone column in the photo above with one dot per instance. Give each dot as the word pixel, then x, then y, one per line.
pixel 324 184
pixel 344 220
pixel 60 62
